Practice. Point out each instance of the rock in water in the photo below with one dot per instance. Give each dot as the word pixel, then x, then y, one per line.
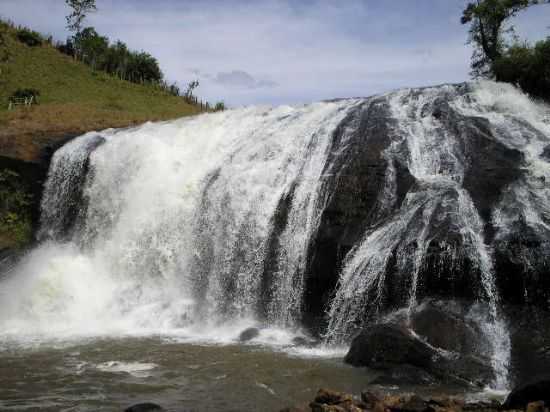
pixel 406 358
pixel 534 391
pixel 384 345
pixel 145 407
pixel 249 334
pixel 444 324
pixel 405 375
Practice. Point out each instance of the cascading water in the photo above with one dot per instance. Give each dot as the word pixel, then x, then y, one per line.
pixel 352 209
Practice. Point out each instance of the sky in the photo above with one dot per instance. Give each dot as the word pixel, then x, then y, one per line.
pixel 288 51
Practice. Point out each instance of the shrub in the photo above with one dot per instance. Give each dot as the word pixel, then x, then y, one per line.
pixel 29 37
pixel 15 210
pixel 25 94
pixel 219 106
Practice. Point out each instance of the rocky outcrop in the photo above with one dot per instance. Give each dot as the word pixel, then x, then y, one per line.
pixel 418 152
pixel 249 334
pixel 404 357
pixel 332 401
pixel 355 177
pixel 435 342
pixel 534 391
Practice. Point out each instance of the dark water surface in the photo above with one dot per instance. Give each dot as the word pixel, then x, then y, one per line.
pixel 111 374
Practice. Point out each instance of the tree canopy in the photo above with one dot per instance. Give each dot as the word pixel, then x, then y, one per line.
pixel 519 63
pixel 487 19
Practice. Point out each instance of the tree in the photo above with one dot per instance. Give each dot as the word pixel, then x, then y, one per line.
pixel 143 68
pixel 116 60
pixel 90 46
pixel 188 95
pixel 80 9
pixel 487 19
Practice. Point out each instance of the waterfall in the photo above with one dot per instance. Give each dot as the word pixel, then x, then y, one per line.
pixel 344 210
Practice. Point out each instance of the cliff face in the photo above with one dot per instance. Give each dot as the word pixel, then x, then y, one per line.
pixel 24 163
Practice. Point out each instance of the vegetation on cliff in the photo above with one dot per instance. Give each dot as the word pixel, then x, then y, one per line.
pixel 15 210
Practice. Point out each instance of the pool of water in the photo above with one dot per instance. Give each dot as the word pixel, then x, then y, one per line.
pixel 111 374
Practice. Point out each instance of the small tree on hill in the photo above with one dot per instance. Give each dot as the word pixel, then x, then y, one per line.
pixel 80 9
pixel 188 95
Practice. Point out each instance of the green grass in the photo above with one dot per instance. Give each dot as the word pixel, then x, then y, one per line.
pixel 73 97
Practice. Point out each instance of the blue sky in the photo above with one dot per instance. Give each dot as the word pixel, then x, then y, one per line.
pixel 255 52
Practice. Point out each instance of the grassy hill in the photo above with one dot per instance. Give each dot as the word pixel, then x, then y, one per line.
pixel 73 99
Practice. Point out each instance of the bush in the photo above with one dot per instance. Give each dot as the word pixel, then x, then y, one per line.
pixel 15 210
pixel 25 94
pixel 527 67
pixel 219 107
pixel 29 37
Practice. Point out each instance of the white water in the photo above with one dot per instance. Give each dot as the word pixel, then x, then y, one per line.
pixel 179 215
pixel 129 269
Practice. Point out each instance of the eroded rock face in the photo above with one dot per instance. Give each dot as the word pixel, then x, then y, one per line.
pixel 529 329
pixel 436 181
pixel 406 357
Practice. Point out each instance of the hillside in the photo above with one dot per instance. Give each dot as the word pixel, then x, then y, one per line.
pixel 73 99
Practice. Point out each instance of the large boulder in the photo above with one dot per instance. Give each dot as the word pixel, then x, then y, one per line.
pixel 529 329
pixel 249 334
pixel 145 407
pixel 521 396
pixel 384 345
pixel 404 357
pixel 446 325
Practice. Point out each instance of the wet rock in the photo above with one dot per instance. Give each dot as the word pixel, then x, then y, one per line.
pixel 414 404
pixel 331 401
pixel 145 407
pixel 354 178
pixel 404 375
pixel 444 325
pixel 384 345
pixel 533 391
pixel 327 400
pixel 249 334
pixel 535 407
pixel 390 346
pixel 370 399
pixel 522 256
pixel 331 397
